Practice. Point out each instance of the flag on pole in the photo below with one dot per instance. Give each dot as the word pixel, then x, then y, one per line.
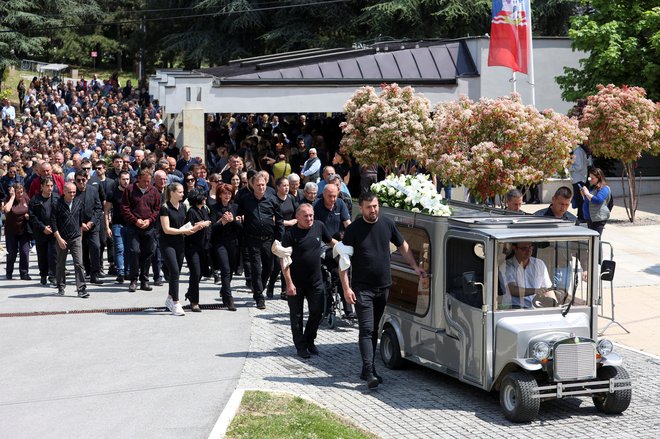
pixel 509 37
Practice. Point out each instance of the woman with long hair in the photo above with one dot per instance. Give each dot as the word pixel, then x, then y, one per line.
pixel 225 233
pixel 17 232
pixel 172 244
pixel 595 208
pixel 288 206
pixel 235 182
pixel 197 244
pixel 189 183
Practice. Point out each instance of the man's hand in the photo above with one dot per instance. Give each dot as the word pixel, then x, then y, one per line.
pixel 349 296
pixel 48 230
pixel 420 272
pixel 142 223
pixel 84 227
pixel 62 243
pixel 108 232
pixel 291 289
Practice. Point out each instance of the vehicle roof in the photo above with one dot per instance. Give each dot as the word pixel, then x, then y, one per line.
pixel 522 226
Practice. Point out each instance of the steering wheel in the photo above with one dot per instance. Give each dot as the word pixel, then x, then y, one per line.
pixel 540 300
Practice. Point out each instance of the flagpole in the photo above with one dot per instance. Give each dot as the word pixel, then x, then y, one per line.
pixel 513 81
pixel 530 67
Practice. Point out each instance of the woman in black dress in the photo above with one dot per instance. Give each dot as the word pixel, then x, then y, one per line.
pixel 197 244
pixel 288 206
pixel 224 240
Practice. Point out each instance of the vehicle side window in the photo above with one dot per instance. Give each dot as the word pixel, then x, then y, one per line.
pixel 409 291
pixel 464 268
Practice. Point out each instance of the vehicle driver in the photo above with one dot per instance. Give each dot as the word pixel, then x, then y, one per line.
pixel 523 276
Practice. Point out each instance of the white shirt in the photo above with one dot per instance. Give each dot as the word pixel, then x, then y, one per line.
pixel 535 275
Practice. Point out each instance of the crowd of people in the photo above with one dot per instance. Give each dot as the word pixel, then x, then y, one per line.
pixel 88 170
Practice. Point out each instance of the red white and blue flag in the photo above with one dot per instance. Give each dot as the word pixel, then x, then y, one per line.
pixel 509 37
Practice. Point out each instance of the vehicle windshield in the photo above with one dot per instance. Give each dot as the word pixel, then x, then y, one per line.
pixel 542 274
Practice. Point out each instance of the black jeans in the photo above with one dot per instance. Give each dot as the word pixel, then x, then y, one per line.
pixel 369 307
pixel 173 260
pixel 578 199
pixel 18 245
pixel 157 260
pixel 261 264
pixel 196 259
pixel 91 249
pixel 141 244
pixel 46 253
pixel 314 295
pixel 244 260
pixel 598 226
pixel 226 256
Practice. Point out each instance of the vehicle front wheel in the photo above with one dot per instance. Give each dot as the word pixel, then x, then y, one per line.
pixel 332 320
pixel 390 351
pixel 618 401
pixel 517 397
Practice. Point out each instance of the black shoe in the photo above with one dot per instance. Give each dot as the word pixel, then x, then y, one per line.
pixel 351 316
pixel 270 292
pixel 60 291
pixel 96 281
pixel 284 296
pixel 372 381
pixel 112 271
pixel 120 279
pixel 9 277
pixel 145 286
pixel 51 281
pixel 132 287
pixel 25 277
pixel 44 280
pixel 311 347
pixel 378 377
pixel 194 307
pixel 216 278
pixel 229 303
pixel 261 303
pixel 158 283
pixel 304 353
pixel 101 273
pixel 83 294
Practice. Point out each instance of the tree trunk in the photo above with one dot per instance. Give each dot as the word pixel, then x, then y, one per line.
pixel 631 195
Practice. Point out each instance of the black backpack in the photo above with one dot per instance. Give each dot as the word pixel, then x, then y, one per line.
pixel 610 201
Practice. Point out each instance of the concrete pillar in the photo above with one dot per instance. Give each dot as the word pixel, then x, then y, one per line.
pixel 193 129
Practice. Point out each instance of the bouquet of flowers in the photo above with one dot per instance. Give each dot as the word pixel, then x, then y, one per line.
pixel 415 193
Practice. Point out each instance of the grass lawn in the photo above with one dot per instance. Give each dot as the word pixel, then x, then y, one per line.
pixel 272 415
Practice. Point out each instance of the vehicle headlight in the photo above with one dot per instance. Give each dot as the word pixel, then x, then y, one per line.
pixel 604 347
pixel 540 350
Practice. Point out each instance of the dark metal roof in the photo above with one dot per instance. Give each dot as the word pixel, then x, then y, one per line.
pixel 419 63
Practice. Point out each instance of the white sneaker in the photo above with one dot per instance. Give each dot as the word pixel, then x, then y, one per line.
pixel 177 310
pixel 169 303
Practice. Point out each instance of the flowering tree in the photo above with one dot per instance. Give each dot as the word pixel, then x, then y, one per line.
pixel 623 124
pixel 492 145
pixel 386 128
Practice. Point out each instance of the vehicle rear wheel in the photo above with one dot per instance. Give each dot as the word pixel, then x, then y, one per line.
pixel 390 351
pixel 617 402
pixel 517 397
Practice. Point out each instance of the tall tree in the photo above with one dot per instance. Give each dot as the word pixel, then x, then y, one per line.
pixel 17 38
pixel 622 38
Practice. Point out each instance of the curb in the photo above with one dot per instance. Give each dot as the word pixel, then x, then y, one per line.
pixel 222 424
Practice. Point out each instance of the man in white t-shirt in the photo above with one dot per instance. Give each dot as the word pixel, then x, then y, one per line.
pixel 523 276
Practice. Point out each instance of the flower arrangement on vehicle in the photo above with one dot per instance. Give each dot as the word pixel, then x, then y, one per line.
pixel 415 193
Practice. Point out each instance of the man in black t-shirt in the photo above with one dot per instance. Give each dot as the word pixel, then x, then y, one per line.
pixel 303 277
pixel 370 237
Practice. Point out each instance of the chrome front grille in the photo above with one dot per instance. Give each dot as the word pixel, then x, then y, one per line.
pixel 575 361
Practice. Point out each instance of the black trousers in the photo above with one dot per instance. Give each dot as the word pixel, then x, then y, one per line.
pixel 196 259
pixel 369 307
pixel 46 254
pixel 91 249
pixel 260 259
pixel 106 243
pixel 305 336
pixel 173 260
pixel 141 244
pixel 226 254
pixel 578 199
pixel 157 260
pixel 244 260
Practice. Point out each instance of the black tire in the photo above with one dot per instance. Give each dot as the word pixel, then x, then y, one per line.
pixel 517 397
pixel 390 351
pixel 332 320
pixel 617 402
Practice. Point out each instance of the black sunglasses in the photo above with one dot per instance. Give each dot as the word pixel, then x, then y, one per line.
pixel 189 179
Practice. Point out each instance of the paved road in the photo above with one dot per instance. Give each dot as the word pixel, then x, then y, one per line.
pixel 108 375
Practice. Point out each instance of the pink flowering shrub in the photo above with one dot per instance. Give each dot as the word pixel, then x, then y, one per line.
pixel 623 124
pixel 393 126
pixel 492 145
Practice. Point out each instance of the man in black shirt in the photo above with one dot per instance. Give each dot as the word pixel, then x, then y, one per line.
pixel 262 223
pixel 303 277
pixel 92 220
pixel 41 208
pixel 370 237
pixel 66 222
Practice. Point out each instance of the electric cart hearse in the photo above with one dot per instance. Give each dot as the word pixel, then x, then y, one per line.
pixel 465 321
